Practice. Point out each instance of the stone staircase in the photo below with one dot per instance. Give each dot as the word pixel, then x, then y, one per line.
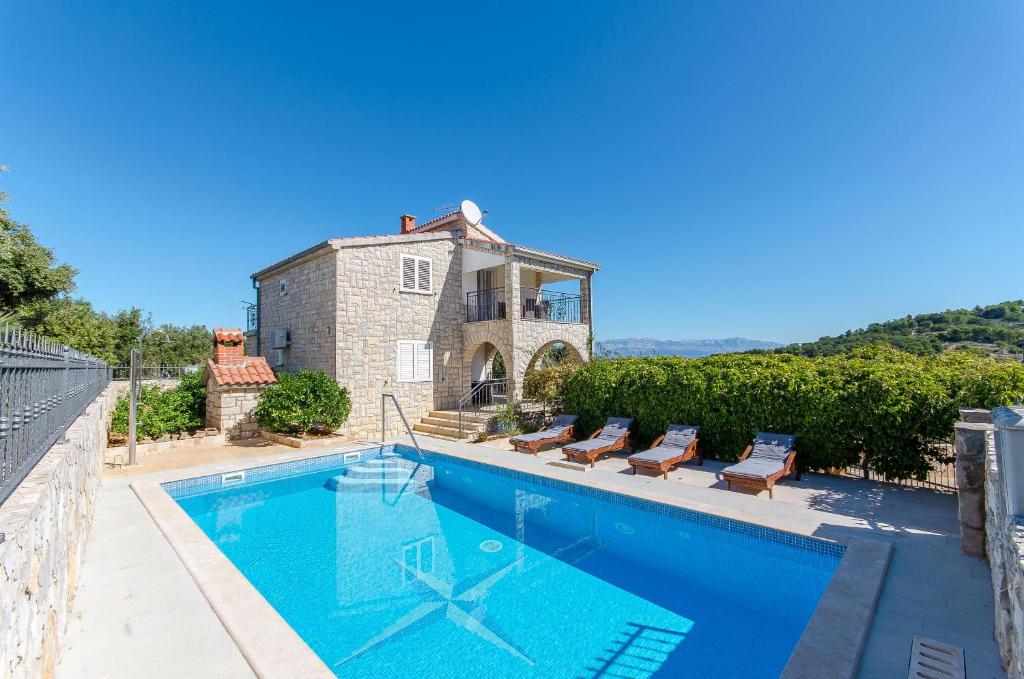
pixel 445 423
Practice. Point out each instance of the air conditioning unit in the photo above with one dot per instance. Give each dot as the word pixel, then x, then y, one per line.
pixel 279 338
pixel 277 358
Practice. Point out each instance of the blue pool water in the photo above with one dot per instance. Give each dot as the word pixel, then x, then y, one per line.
pixel 396 566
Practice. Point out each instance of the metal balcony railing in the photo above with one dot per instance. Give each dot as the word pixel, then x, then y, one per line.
pixel 485 305
pixel 544 305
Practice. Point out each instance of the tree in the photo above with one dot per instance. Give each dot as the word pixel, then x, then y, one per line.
pixel 28 271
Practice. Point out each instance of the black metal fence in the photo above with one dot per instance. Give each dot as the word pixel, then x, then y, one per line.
pixel 44 387
pixel 122 373
pixel 941 476
pixel 485 305
pixel 545 305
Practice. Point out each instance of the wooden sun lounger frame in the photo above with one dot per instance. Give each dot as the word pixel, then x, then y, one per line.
pixel 764 483
pixel 533 447
pixel 689 454
pixel 590 456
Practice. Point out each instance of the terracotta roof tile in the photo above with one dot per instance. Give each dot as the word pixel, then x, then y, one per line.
pixel 254 370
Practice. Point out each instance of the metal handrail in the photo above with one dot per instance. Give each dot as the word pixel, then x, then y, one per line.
pixel 383 418
pixel 477 388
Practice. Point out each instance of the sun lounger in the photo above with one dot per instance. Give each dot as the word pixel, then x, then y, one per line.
pixel 613 436
pixel 675 446
pixel 769 458
pixel 559 431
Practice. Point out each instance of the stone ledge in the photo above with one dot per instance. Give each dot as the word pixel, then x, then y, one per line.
pixel 295 442
pixel 112 455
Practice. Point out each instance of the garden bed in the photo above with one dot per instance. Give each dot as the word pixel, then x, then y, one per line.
pixel 204 438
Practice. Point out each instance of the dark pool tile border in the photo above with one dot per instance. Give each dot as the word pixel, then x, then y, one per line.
pixel 183 488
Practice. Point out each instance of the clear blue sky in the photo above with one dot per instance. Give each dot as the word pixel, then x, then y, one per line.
pixel 769 170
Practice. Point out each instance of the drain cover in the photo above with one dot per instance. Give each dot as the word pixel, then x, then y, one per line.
pixel 490 546
pixel 930 659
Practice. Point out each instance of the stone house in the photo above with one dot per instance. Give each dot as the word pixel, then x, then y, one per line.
pixel 422 314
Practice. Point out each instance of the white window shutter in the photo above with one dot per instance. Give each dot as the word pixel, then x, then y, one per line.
pixel 406 361
pixel 408 273
pixel 424 361
pixel 423 281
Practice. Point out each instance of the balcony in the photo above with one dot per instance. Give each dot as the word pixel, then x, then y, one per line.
pixel 485 305
pixel 534 304
pixel 544 305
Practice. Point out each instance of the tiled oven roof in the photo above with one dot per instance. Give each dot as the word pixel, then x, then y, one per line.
pixel 254 370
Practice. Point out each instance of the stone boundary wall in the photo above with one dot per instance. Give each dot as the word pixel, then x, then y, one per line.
pixel 1005 549
pixel 46 522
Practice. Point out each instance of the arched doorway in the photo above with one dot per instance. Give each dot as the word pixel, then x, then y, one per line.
pixel 488 376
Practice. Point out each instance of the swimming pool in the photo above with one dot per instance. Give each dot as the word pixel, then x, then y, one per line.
pixel 386 564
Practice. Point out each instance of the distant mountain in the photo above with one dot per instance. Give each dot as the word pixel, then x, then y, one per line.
pixel 690 348
pixel 996 330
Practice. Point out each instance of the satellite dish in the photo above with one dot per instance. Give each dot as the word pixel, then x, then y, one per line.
pixel 471 212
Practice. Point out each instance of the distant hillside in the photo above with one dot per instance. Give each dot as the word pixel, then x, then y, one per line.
pixel 690 348
pixel 996 330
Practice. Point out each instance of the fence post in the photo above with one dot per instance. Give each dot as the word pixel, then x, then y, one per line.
pixel 132 406
pixel 971 464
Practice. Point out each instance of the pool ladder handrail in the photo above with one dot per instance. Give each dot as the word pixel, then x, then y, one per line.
pixel 383 418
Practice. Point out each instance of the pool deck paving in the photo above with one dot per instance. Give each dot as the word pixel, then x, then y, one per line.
pixel 139 612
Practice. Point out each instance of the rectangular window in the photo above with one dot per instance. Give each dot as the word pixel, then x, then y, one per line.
pixel 417 274
pixel 415 361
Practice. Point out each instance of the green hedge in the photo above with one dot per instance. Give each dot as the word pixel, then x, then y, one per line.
pixel 306 401
pixel 168 411
pixel 886 405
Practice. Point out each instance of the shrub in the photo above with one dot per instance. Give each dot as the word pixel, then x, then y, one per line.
pixel 506 421
pixel 181 408
pixel 306 401
pixel 548 384
pixel 876 404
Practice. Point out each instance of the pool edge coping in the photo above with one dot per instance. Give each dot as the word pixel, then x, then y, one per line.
pixel 834 637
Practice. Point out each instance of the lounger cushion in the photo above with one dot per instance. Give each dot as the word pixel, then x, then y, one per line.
pixel 760 468
pixel 615 428
pixel 563 421
pixel 680 436
pixel 588 445
pixel 677 439
pixel 768 446
pixel 658 455
pixel 557 428
pixel 539 436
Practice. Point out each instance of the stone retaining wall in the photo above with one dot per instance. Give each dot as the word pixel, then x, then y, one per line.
pixel 1005 550
pixel 46 522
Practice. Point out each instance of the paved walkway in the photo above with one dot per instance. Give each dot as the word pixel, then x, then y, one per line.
pixel 138 612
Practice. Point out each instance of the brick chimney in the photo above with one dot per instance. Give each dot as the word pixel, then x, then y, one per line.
pixel 228 346
pixel 408 223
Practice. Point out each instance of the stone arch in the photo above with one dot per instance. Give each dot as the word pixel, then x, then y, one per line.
pixel 478 362
pixel 572 352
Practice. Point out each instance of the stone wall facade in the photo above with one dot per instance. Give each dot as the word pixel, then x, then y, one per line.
pixel 1004 536
pixel 352 332
pixel 229 409
pixel 46 522
pixel 301 299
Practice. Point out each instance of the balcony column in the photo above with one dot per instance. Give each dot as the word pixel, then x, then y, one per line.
pixel 585 312
pixel 514 316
